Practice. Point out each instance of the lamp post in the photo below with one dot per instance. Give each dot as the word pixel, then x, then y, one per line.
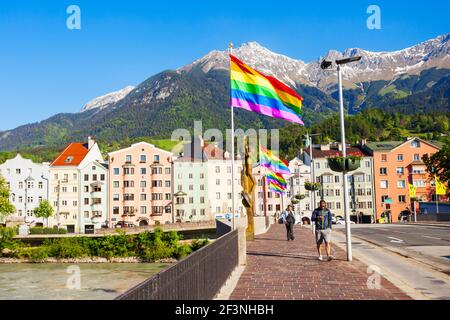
pixel 310 136
pixel 326 65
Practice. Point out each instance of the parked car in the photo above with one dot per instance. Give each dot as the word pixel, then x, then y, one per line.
pixel 125 224
pixel 342 222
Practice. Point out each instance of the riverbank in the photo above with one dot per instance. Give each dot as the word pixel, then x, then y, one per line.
pixel 87 260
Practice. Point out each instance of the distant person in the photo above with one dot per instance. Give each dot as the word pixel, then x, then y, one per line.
pixel 322 217
pixel 289 222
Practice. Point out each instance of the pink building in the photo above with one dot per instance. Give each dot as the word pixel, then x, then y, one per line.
pixel 140 185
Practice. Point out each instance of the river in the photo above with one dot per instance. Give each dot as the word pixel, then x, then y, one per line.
pixel 72 282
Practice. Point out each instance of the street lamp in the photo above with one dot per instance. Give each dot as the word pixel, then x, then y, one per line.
pixel 327 65
pixel 310 136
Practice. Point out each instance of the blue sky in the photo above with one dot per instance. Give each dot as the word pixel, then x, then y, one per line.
pixel 47 69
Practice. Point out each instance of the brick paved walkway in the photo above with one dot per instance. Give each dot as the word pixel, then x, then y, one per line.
pixel 281 270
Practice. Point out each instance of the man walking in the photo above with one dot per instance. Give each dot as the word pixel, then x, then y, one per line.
pixel 289 222
pixel 323 221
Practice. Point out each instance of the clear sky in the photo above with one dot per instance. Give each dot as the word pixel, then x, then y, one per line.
pixel 45 68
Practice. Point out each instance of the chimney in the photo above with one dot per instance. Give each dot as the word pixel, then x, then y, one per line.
pixel 91 142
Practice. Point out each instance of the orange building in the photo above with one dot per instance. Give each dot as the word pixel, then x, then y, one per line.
pixel 396 165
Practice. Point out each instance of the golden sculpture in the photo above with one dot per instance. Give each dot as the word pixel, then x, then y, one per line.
pixel 248 185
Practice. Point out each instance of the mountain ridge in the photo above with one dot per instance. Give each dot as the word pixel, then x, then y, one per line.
pixel 200 91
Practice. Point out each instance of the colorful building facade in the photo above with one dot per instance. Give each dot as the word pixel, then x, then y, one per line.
pixel 397 164
pixel 140 185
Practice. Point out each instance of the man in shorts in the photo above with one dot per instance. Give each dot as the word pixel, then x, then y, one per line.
pixel 323 222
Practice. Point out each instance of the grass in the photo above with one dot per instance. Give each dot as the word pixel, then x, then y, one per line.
pixel 392 89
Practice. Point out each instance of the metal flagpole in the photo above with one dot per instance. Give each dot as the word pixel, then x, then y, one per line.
pixel 344 154
pixel 232 153
pixel 437 197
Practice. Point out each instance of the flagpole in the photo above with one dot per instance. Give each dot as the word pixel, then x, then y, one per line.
pixel 232 153
pixel 437 197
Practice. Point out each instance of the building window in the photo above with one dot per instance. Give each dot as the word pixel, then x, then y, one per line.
pixel 143 184
pixel 143 158
pixel 202 212
pixel 217 169
pixel 383 171
pixel 218 195
pixel 156 158
pixel 128 158
pixel 400 170
pixel 420 183
pixel 116 210
pixel 384 184
pixel 401 184
pixel 399 157
pixel 40 185
pixel 217 182
pixel 143 197
pixel 415 144
pixel 384 157
pixel 168 196
pixel 167 170
pixel 402 199
pixel 143 171
pixel 86 177
pixel 116 171
pixel 417 157
pixel 367 164
pixel 143 210
pixel 116 184
pixel 202 200
pixel 116 197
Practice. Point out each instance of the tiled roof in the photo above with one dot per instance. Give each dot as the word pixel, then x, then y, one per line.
pixel 73 155
pixel 385 145
pixel 333 152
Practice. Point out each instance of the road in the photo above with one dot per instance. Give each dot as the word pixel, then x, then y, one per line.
pixel 425 243
pixel 414 258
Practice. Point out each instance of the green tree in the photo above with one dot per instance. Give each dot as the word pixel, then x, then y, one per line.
pixel 6 208
pixel 439 163
pixel 44 210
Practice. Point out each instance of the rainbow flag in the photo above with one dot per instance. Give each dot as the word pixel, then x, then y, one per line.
pixel 268 160
pixel 276 188
pixel 276 178
pixel 253 91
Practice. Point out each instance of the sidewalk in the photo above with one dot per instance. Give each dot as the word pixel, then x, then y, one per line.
pixel 281 270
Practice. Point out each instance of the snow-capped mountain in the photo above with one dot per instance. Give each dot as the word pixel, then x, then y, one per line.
pixel 108 99
pixel 412 80
pixel 373 65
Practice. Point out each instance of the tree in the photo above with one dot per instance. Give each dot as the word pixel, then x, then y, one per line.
pixel 44 210
pixel 6 207
pixel 439 163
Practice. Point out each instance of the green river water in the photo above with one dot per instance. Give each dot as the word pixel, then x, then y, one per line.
pixel 71 282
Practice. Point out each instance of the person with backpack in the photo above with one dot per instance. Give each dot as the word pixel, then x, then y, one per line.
pixel 323 219
pixel 289 221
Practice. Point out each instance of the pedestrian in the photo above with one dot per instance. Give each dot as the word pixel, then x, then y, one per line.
pixel 289 222
pixel 322 217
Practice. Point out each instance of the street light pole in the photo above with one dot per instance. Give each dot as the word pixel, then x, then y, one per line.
pixel 344 154
pixel 327 65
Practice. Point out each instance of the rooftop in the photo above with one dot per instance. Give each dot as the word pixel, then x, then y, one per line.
pixel 334 152
pixel 73 155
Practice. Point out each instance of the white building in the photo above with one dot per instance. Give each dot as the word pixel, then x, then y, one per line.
pixel 300 174
pixel 28 184
pixel 203 183
pixel 94 196
pixel 66 185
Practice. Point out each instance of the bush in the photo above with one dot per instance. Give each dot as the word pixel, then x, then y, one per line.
pixel 6 236
pixel 66 248
pixel 182 251
pixel 40 230
pixel 198 244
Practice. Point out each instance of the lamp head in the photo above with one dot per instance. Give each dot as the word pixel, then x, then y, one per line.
pixel 326 64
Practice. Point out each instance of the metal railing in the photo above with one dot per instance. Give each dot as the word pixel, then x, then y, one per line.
pixel 200 276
